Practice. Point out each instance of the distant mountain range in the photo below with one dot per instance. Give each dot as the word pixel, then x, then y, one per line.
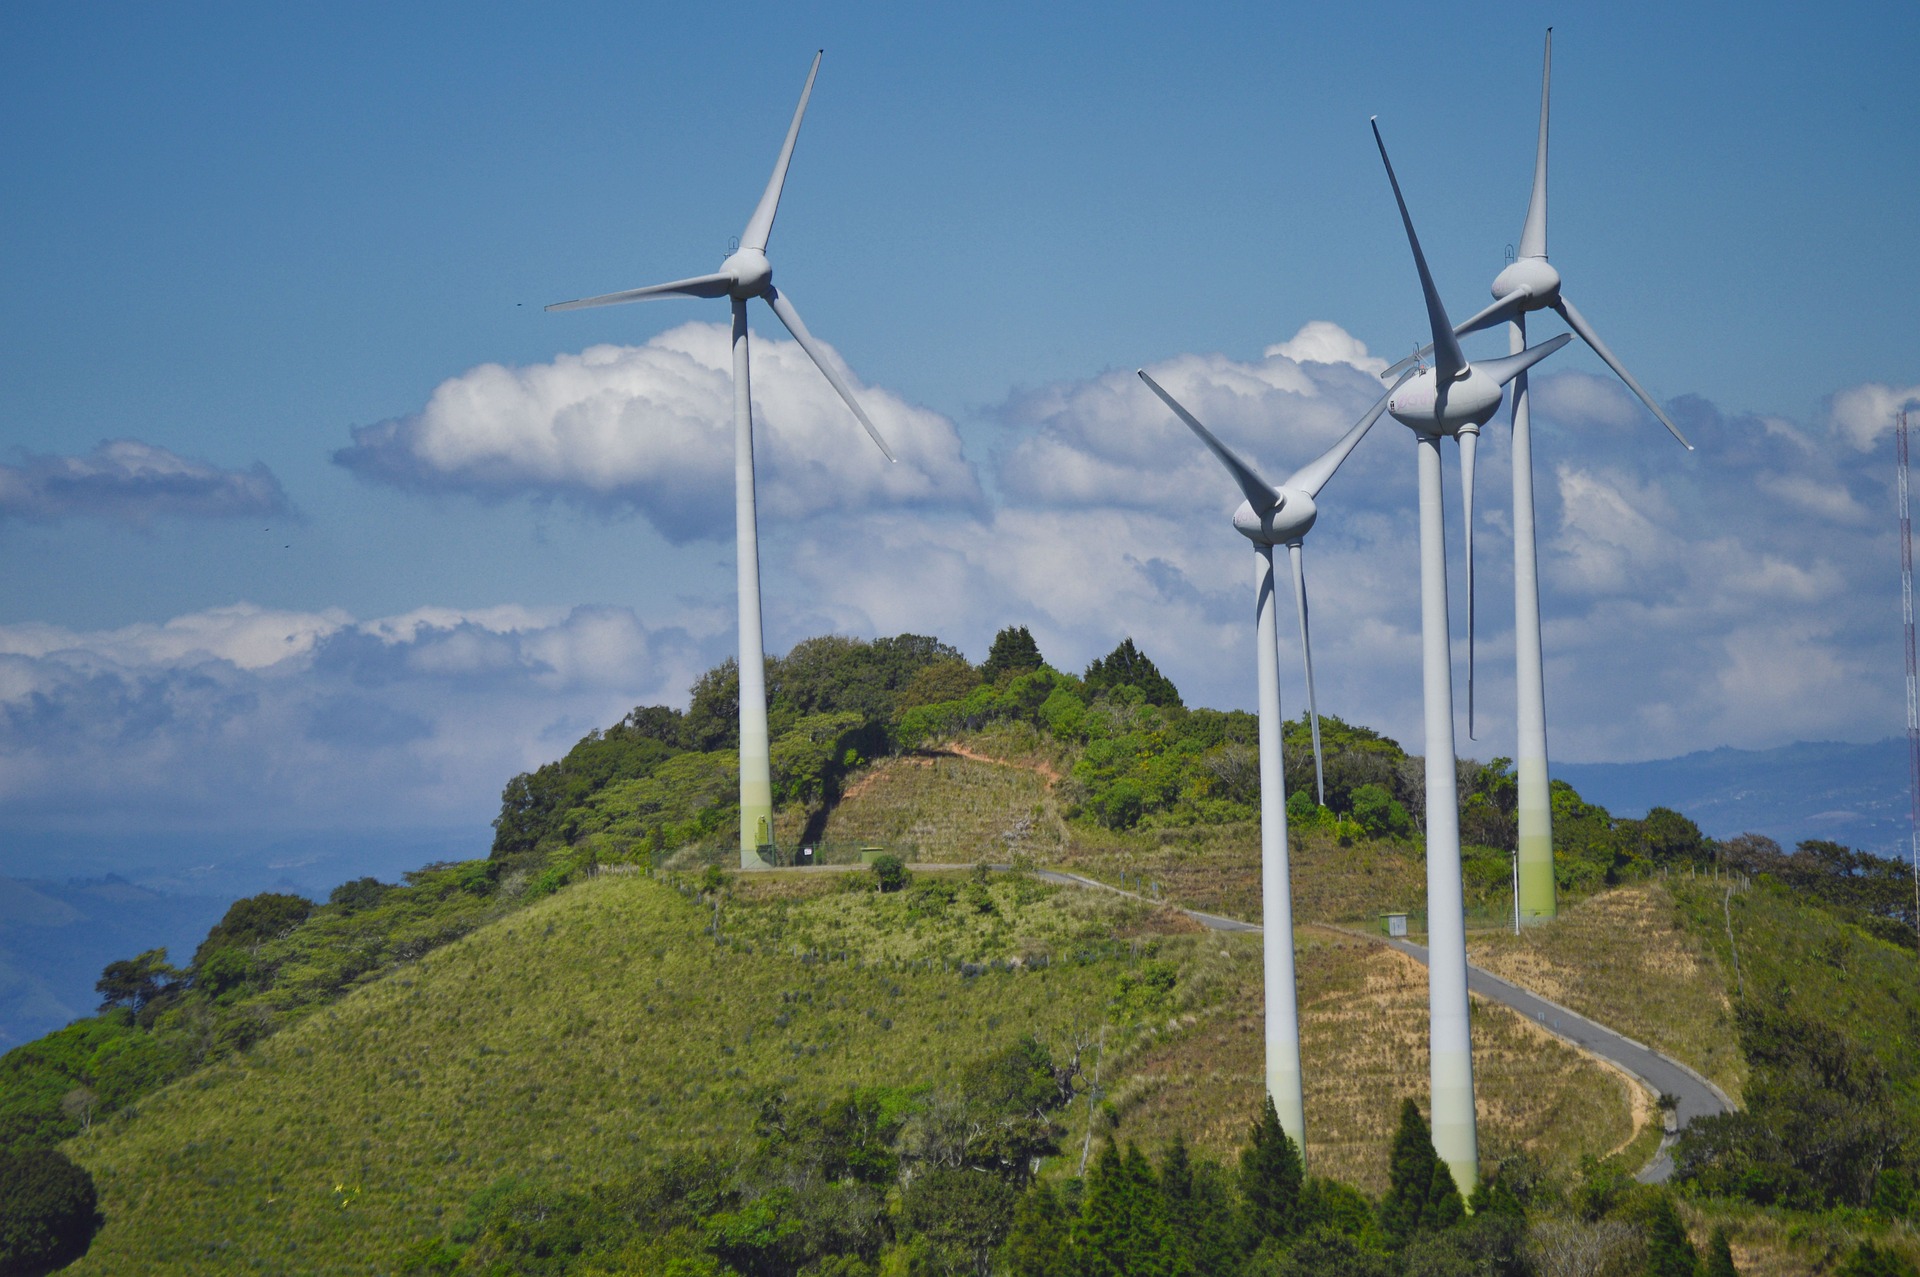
pixel 1859 795
pixel 70 904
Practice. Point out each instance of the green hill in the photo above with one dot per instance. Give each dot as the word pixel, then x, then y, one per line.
pixel 595 1043
pixel 603 1028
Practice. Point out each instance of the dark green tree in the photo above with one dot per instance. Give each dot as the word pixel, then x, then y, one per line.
pixel 964 1211
pixel 1421 1194
pixel 1669 1252
pixel 1123 1229
pixel 254 921
pixel 1128 666
pixel 48 1212
pixel 1272 1176
pixel 361 893
pixel 1324 1252
pixel 889 871
pixel 1013 652
pixel 1719 1257
pixel 134 982
pixel 1039 1242
pixel 1200 1208
pixel 1869 1260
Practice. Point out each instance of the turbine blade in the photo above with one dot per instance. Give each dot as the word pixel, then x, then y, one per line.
pixel 1260 495
pixel 1533 237
pixel 1314 475
pixel 1505 369
pixel 1449 362
pixel 1578 322
pixel 698 286
pixel 816 352
pixel 1498 313
pixel 1306 647
pixel 1469 444
pixel 760 226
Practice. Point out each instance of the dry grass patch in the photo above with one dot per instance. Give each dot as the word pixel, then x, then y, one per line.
pixel 1626 959
pixel 1216 869
pixel 945 807
pixel 1364 1042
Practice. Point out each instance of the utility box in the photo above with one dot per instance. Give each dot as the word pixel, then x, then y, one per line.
pixel 1395 924
pixel 805 857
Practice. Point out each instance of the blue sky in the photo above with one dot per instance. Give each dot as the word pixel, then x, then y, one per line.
pixel 236 234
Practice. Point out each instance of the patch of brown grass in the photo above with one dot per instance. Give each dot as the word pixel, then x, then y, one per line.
pixel 1625 959
pixel 1364 1043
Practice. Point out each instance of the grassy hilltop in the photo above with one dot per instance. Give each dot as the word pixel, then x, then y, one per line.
pixel 594 1051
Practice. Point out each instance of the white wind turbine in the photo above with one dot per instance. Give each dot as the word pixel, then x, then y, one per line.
pixel 1452 399
pixel 1269 517
pixel 1529 283
pixel 746 274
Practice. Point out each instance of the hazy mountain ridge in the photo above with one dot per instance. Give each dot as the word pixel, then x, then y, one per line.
pixel 1855 794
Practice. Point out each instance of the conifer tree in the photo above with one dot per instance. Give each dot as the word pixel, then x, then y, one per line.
pixel 1669 1253
pixel 1128 666
pixel 1037 1244
pixel 1123 1229
pixel 1013 652
pixel 1271 1178
pixel 1199 1210
pixel 1719 1259
pixel 1421 1195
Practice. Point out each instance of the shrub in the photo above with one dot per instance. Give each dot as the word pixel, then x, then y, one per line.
pixel 890 872
pixel 48 1212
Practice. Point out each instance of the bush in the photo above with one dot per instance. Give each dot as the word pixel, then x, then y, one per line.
pixel 48 1212
pixel 890 872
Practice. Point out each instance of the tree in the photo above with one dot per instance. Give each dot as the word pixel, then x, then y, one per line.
pixel 1869 1260
pixel 1200 1209
pixel 361 893
pixel 1719 1257
pixel 1669 1252
pixel 253 921
pixel 1038 1243
pixel 1123 1229
pixel 1421 1195
pixel 966 1211
pixel 1013 652
pixel 134 982
pixel 49 1212
pixel 889 871
pixel 1128 666
pixel 1272 1175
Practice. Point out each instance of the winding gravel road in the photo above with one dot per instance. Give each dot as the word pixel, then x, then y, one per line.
pixel 1694 1096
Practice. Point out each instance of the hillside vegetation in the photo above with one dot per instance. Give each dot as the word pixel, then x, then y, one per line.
pixel 595 1041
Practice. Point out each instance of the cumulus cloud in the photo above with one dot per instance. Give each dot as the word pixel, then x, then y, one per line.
pixel 135 482
pixel 244 716
pixel 1861 414
pixel 1744 594
pixel 650 428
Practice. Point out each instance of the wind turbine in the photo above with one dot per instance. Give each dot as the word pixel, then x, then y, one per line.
pixel 1452 399
pixel 1269 517
pixel 746 274
pixel 1528 284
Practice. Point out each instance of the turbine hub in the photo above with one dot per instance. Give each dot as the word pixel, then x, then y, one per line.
pixel 1284 524
pixel 1533 276
pixel 751 272
pixel 1426 407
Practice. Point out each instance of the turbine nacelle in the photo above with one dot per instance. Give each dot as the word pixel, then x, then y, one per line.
pixel 1427 406
pixel 1534 278
pixel 1283 523
pixel 750 270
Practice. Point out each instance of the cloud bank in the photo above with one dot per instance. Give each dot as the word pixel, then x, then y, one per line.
pixel 246 717
pixel 650 428
pixel 135 482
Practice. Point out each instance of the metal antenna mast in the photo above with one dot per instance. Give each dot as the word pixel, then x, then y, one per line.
pixel 1913 676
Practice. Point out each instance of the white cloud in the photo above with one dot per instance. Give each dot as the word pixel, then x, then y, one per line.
pixel 1860 414
pixel 651 428
pixel 245 717
pixel 135 482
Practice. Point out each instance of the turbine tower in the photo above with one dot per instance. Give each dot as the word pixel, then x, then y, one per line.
pixel 1269 517
pixel 1452 399
pixel 746 274
pixel 1528 284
